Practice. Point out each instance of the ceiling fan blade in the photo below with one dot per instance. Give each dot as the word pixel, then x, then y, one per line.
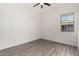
pixel 47 4
pixel 36 4
pixel 41 6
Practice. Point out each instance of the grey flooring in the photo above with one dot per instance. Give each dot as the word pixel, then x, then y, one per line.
pixel 40 48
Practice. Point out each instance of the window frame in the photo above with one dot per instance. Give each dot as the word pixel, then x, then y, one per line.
pixel 69 24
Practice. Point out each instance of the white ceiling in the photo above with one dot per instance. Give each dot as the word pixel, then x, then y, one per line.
pixel 45 8
pixel 38 8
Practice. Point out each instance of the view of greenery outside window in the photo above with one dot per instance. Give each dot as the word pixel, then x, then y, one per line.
pixel 67 22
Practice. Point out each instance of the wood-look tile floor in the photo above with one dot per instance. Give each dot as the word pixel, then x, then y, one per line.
pixel 40 48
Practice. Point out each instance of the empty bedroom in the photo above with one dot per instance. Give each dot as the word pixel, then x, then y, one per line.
pixel 39 29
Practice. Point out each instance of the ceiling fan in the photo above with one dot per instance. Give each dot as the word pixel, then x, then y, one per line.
pixel 41 4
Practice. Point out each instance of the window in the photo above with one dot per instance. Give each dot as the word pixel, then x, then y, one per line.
pixel 67 22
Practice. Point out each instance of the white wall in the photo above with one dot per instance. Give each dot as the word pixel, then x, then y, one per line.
pixel 51 29
pixel 18 24
pixel 78 26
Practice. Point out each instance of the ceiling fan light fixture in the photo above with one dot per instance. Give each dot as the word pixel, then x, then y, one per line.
pixel 48 4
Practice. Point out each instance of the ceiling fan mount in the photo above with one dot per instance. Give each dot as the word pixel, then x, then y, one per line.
pixel 41 4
